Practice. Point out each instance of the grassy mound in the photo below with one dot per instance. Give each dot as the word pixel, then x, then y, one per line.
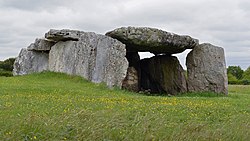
pixel 54 106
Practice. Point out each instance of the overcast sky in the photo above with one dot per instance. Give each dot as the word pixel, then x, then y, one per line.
pixel 224 23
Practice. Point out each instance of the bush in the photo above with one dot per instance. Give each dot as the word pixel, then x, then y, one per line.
pixel 236 76
pixel 246 74
pixel 5 73
pixel 6 67
pixel 235 71
pixel 7 64
pixel 232 79
pixel 245 82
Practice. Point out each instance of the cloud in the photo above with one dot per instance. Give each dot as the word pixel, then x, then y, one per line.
pixel 223 23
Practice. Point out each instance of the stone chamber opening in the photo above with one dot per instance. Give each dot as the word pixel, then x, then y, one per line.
pixel 154 74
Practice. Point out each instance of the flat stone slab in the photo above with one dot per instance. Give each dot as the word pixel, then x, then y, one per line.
pixel 40 45
pixel 63 35
pixel 145 39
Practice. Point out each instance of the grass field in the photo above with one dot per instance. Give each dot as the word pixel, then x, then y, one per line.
pixel 53 106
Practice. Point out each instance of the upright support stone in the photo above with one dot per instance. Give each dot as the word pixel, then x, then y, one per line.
pixel 33 59
pixel 96 57
pixel 206 68
pixel 163 74
pixel 30 61
pixel 132 80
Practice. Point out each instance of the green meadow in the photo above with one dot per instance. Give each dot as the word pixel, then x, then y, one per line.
pixel 55 106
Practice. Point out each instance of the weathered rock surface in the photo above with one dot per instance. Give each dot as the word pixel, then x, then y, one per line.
pixel 97 58
pixel 142 39
pixel 206 69
pixel 30 61
pixel 63 35
pixel 131 82
pixel 163 74
pixel 40 45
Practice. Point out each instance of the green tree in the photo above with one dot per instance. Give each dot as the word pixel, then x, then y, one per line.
pixel 235 71
pixel 232 79
pixel 7 64
pixel 246 74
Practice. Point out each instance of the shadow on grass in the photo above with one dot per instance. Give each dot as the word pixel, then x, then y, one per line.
pixel 190 94
pixel 200 94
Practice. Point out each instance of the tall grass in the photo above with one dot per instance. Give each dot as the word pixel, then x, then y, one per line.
pixel 55 106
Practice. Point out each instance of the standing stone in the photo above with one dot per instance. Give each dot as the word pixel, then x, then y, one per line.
pixel 97 58
pixel 30 61
pixel 34 58
pixel 40 45
pixel 132 80
pixel 63 57
pixel 206 69
pixel 141 39
pixel 163 74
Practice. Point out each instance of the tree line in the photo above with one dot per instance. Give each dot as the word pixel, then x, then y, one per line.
pixel 238 76
pixel 6 67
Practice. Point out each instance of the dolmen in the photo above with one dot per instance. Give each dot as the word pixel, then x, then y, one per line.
pixel 113 59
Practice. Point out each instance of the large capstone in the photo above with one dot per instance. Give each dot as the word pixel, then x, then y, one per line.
pixel 206 69
pixel 163 74
pixel 30 61
pixel 144 39
pixel 97 58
